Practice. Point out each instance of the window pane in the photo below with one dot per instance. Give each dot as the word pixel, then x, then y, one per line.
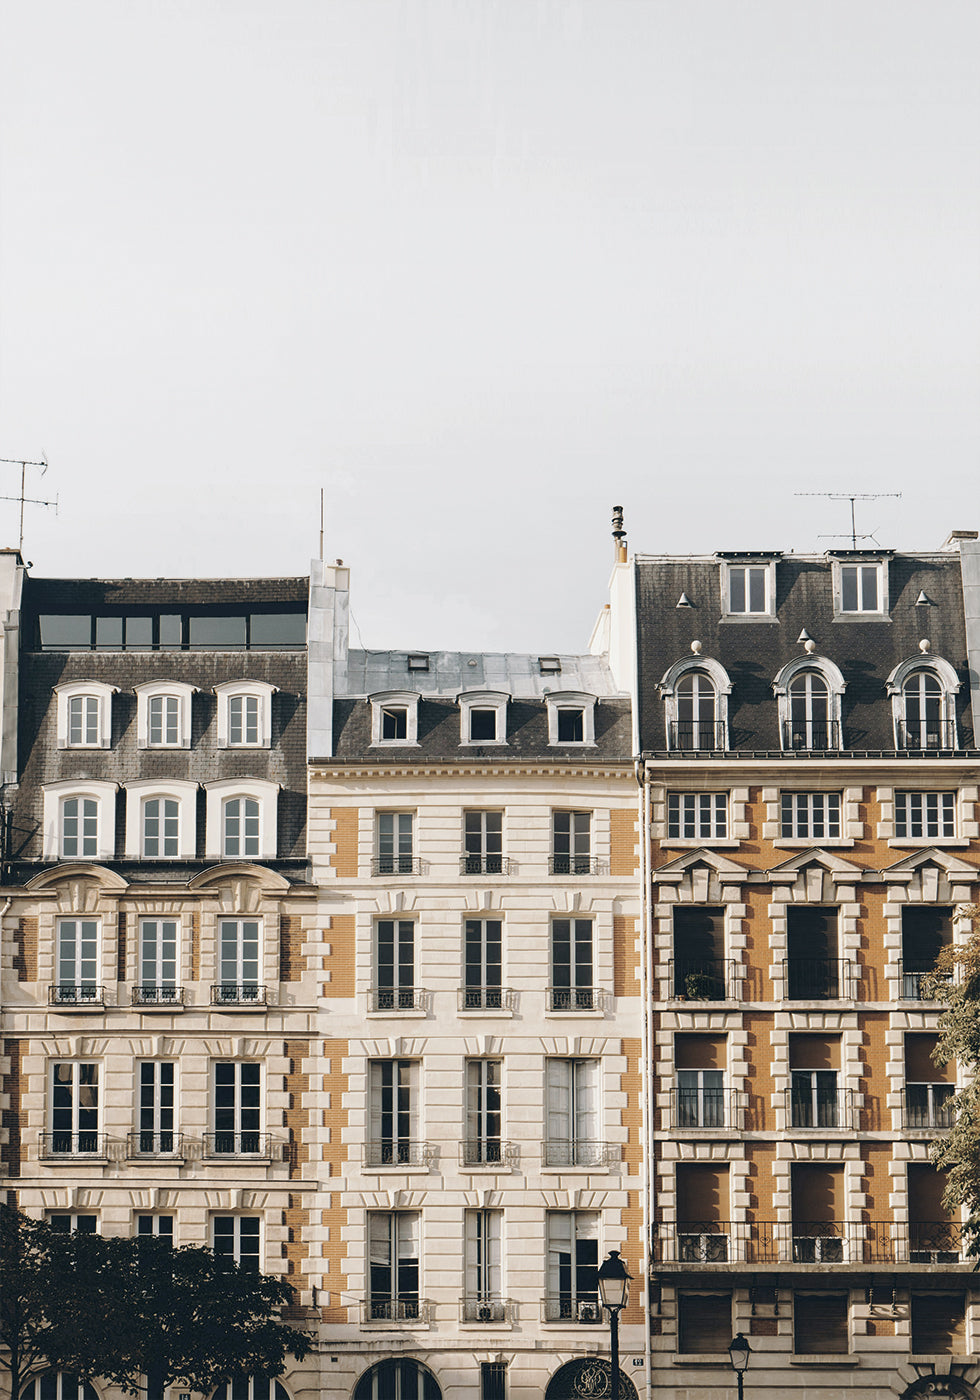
pixel 217 632
pixel 139 633
pixel 170 630
pixel 277 629
pixel 62 633
pixel 109 633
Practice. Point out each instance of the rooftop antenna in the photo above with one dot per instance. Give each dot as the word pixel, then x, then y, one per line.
pixel 23 498
pixel 848 496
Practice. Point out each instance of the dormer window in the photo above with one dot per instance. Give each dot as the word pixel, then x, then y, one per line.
pixel 860 587
pixel 571 718
pixel 483 717
pixel 695 693
pixel 244 714
pixel 163 715
pixel 394 718
pixel 84 715
pixel 748 588
pixel 79 820
pixel 923 691
pixel 241 819
pixel 808 693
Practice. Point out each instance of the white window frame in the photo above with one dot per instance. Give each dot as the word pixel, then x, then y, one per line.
pixel 470 700
pixel 154 690
pixel 700 810
pixel 100 692
pixel 382 700
pixel 184 794
pixel 150 1100
pixel 158 980
pixel 403 995
pixel 399 1232
pixel 230 690
pixel 943 800
pixel 236 1235
pixel 247 1117
pixel 76 1107
pixel 483 1240
pixel 828 818
pixel 831 675
pixel 240 979
pixel 220 792
pixel 573 1111
pixel 949 684
pixel 768 611
pixel 860 562
pixel 104 796
pixel 577 701
pixel 402 862
pixel 155 1217
pixel 394 1096
pixel 77 979
pixel 569 1227
pixel 714 672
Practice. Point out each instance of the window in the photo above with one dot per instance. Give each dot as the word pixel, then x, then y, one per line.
pixel 483 716
pixel 159 1227
pixel 923 692
pixel 78 961
pixel 493 1380
pixel 810 815
pixel 394 1093
pixel 237 1108
pixel 242 819
pixel 700 970
pixel 74 1108
pixel 163 715
pixel 934 1237
pixel 394 718
pixel 813 971
pixel 244 714
pixel 925 815
pixel 483 1145
pixel 59 1385
pixel 703 1196
pixel 572 1108
pixel 161 827
pixel 397 1379
pixel 572 1273
pixel 571 717
pixel 158 959
pixel 482 1240
pixel 84 715
pixel 251 1388
pixel 861 587
pixel 393 1254
pixel 161 821
pixel 483 842
pixel 809 692
pixel 695 695
pixel 157 1108
pixel 697 815
pixel 929 1087
pixel 814 1096
pixel 926 930
pixel 572 986
pixel 748 588
pixel 80 826
pixel 396 843
pixel 817 1199
pixel 395 971
pixel 820 1323
pixel 67 1221
pixel 938 1324
pixel 700 1063
pixel 238 961
pixel 571 843
pixel 704 1322
pixel 483 966
pixel 235 1239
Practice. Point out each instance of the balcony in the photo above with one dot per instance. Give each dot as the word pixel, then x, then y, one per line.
pixel 486 1308
pixel 250 995
pixel 489 1152
pixel 58 1146
pixel 396 865
pixel 574 999
pixel 927 736
pixel 161 998
pixel 155 1144
pixel 398 1152
pixel 398 999
pixel 811 736
pixel 817 979
pixel 823 1242
pixel 687 736
pixel 577 865
pixel 405 1309
pixel 571 1307
pixel 928 1106
pixel 77 996
pixel 487 999
pixel 718 1109
pixel 566 1152
pixel 917 981
pixel 821 1109
pixel 484 865
pixel 257 1146
pixel 701 979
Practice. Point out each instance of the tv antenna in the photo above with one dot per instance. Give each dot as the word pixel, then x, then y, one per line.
pixel 23 497
pixel 852 497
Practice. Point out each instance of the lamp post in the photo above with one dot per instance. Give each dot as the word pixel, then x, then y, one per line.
pixel 614 1291
pixel 739 1351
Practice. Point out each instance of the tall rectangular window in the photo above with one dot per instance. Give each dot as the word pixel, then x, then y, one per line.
pixel 163 721
pixel 483 843
pixel 238 961
pixel 395 970
pixel 83 721
pixel 79 827
pixel 697 816
pixel 571 837
pixel 572 1273
pixel 243 719
pixel 810 815
pixel 926 930
pixel 747 588
pixel 483 1145
pixel 704 1322
pixel 572 1107
pixel 157 1107
pixel 161 828
pixel 483 1235
pixel 74 1107
pixel 483 964
pixel 700 1063
pixel 394 1093
pixel 818 1214
pixel 703 1213
pixel 78 960
pixel 925 814
pixel 158 957
pixel 813 969
pixel 493 1380
pixel 700 971
pixel 241 826
pixel 236 1239
pixel 572 984
pixel 393 1254
pixel 395 843
pixel 860 591
pixel 237 1108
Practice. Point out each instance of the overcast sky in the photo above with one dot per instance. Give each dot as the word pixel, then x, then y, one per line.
pixel 481 269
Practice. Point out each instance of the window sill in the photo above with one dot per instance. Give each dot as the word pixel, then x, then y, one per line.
pixel 749 617
pixel 578 1171
pixel 397 1168
pixel 824 1358
pixel 414 1014
pixel 483 744
pixel 803 843
pixel 232 1008
pixel 576 1015
pixel 170 1007
pixel 396 744
pixel 947 843
pixel 860 617
pixel 497 1012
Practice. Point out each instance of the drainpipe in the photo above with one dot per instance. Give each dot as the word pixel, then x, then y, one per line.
pixel 647 1110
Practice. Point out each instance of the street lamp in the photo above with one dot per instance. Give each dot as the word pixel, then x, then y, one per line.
pixel 614 1291
pixel 739 1351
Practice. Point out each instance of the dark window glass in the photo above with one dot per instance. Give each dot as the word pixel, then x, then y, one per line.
pixel 571 727
pixel 139 633
pixel 109 633
pixel 63 633
pixel 217 632
pixel 170 630
pixel 394 722
pixel 483 725
pixel 277 629
pixel 493 1380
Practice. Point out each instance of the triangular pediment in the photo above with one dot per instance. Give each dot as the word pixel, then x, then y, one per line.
pixel 836 866
pixel 724 868
pixel 933 855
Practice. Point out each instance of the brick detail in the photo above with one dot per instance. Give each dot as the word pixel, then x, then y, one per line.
pixel 25 950
pixel 339 963
pixel 296 1248
pixel 12 1117
pixel 764 1327
pixel 632 1216
pixel 297 1114
pixel 626 959
pixel 121 948
pixel 334 1248
pixel 624 845
pixel 292 961
pixel 344 856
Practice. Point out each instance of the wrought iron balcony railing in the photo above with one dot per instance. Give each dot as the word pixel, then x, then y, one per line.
pixel 484 865
pixel 928 1105
pixel 817 979
pixel 398 999
pixel 916 981
pixel 816 1242
pixel 240 1144
pixel 486 1308
pixel 577 865
pixel 817 1109
pixel 238 994
pixel 77 994
pixel 719 1109
pixel 83 1144
pixel 578 1152
pixel 144 995
pixel 573 1307
pixel 701 979
pixel 396 865
pixel 927 736
pixel 811 736
pixel 155 1143
pixel 398 1152
pixel 407 1308
pixel 704 736
pixel 489 1152
pixel 487 999
pixel 576 999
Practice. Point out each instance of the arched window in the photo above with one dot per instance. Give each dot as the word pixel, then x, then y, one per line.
pixel 401 1379
pixel 927 720
pixel 58 1385
pixel 696 705
pixel 809 692
pixel 251 1388
pixel 240 826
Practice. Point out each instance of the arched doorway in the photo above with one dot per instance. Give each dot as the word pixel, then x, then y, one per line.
pixel 588 1378
pixel 401 1379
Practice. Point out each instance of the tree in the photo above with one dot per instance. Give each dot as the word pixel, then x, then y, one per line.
pixel 956 980
pixel 129 1309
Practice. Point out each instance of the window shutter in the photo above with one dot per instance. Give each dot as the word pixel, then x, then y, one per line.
pixel 586 1074
pixel 558 1076
pixel 820 1322
pixel 704 1322
pixel 939 1323
pixel 700 1051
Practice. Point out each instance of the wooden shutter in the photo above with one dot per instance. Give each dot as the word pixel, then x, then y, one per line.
pixel 700 1052
pixel 704 1322
pixel 939 1323
pixel 820 1322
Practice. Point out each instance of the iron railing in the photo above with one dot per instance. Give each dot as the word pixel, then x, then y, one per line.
pixel 83 994
pixel 706 1108
pixel 398 999
pixel 817 1108
pixel 398 1152
pixel 701 979
pixel 576 999
pixel 407 1308
pixel 577 1152
pixel 927 736
pixel 489 1152
pixel 155 1143
pixel 928 1105
pixel 484 865
pixel 144 995
pixel 812 736
pixel 815 1242
pixel 238 994
pixel 84 1144
pixel 573 1307
pixel 486 1308
pixel 817 979
pixel 396 865
pixel 707 736
pixel 240 1144
pixel 916 981
pixel 577 865
pixel 487 999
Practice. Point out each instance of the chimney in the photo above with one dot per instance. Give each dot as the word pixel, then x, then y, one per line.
pixel 619 535
pixel 952 541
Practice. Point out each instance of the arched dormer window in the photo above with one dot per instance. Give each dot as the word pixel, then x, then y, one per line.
pixel 808 692
pixel 695 693
pixel 923 691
